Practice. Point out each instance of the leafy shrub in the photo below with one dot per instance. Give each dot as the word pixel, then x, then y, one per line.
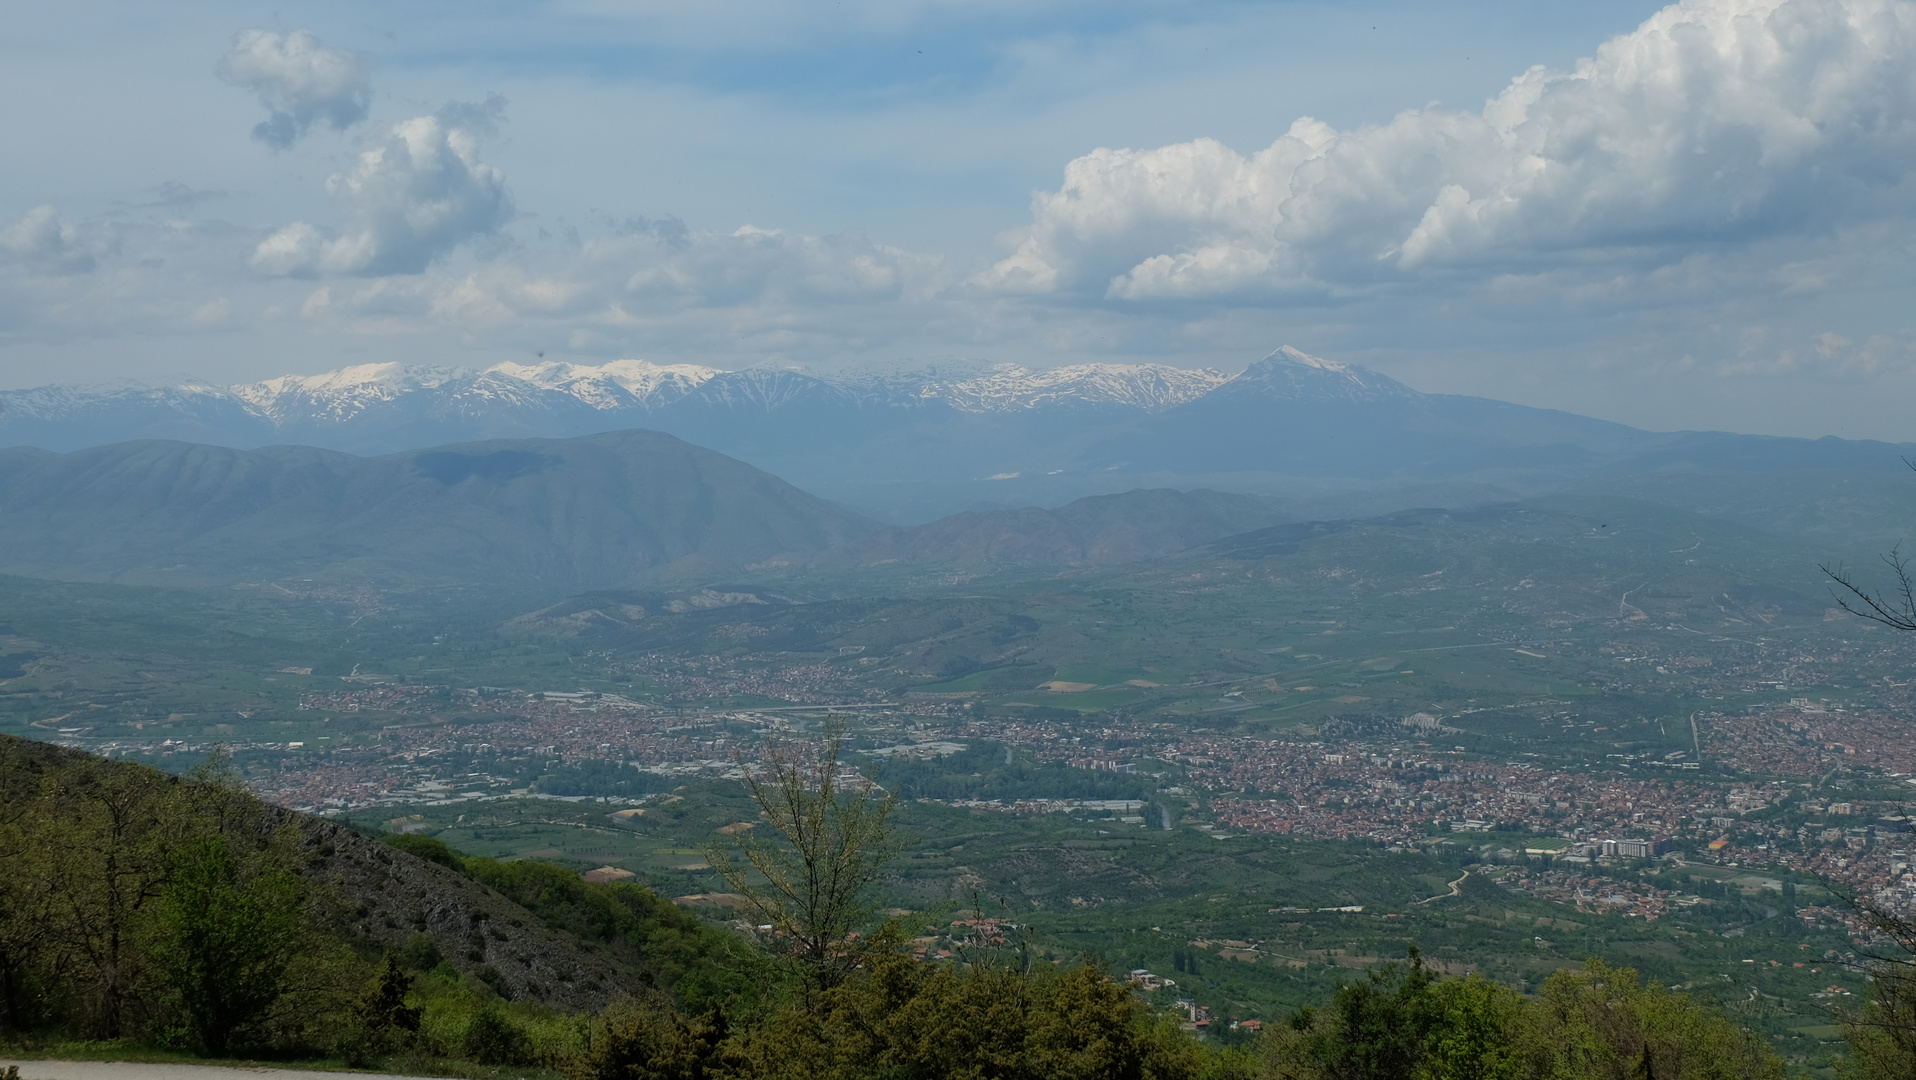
pixel 493 1039
pixel 430 848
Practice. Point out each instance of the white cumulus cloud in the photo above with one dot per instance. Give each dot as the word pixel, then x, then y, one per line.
pixel 419 192
pixel 46 242
pixel 300 81
pixel 1714 124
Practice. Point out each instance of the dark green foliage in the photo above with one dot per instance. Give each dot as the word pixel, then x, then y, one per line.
pixel 636 1044
pixel 428 848
pixel 421 953
pixel 384 1006
pixel 493 1039
pixel 1595 1022
pixel 902 1018
pixel 145 908
pixel 138 906
pixel 1601 1022
pixel 226 930
pixel 384 1021
pixel 1380 1026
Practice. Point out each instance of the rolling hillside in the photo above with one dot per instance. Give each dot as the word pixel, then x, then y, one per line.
pixel 596 511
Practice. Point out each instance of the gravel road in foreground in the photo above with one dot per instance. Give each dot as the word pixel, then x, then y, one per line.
pixel 133 1070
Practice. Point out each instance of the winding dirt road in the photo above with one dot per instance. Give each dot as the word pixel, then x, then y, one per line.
pixel 1455 890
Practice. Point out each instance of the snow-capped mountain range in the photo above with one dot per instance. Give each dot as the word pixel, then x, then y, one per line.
pixel 368 406
pixel 621 386
pixel 371 408
pixel 907 446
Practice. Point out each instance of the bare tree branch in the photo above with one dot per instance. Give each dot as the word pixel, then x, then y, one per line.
pixel 1897 613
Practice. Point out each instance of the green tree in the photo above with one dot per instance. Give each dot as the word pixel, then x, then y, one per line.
pixel 226 930
pixel 108 861
pixel 898 1017
pixel 493 1039
pixel 640 1044
pixel 28 893
pixel 1474 1035
pixel 832 834
pixel 1602 1023
pixel 1374 1028
pixel 384 1021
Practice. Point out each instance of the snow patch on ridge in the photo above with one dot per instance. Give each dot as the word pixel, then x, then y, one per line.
pixel 1293 373
pixel 341 394
pixel 651 384
pixel 1010 388
pixel 534 397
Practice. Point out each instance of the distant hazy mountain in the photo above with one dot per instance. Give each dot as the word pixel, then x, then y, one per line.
pixel 374 407
pixel 599 510
pixel 1301 415
pixel 907 446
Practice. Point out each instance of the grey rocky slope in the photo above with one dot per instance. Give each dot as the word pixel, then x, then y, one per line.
pixel 391 897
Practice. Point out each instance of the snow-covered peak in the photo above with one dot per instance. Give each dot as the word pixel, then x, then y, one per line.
pixel 1298 356
pixel 56 401
pixel 651 383
pixel 1293 373
pixel 342 393
pixel 1141 386
pixel 359 378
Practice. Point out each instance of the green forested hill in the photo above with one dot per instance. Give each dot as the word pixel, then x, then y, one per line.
pixel 600 510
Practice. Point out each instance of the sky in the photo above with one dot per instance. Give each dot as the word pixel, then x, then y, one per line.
pixel 1695 216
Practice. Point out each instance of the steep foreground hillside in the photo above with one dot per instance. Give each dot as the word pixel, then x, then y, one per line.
pixel 365 897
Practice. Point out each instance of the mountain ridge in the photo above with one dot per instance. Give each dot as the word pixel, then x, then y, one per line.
pixel 618 386
pixel 597 511
pixel 906 447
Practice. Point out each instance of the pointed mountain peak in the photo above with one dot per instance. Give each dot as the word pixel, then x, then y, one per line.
pixel 1298 356
pixel 1293 373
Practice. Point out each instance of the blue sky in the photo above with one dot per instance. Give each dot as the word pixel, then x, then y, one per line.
pixel 1694 216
